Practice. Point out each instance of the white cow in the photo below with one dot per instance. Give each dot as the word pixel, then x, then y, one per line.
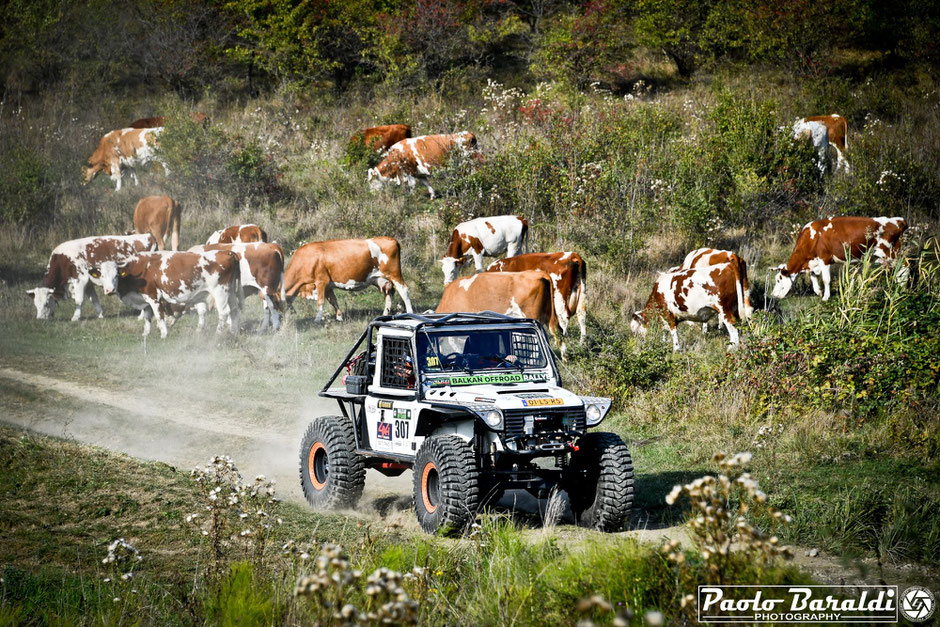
pixel 483 236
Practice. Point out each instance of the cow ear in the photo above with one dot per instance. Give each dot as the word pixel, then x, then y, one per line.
pixel 31 293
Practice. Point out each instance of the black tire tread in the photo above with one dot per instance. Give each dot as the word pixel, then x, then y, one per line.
pixel 608 508
pixel 459 484
pixel 347 476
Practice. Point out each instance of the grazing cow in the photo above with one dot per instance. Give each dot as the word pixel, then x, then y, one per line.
pixel 159 216
pixel 822 242
pixel 381 138
pixel 703 257
pixel 413 159
pixel 483 236
pixel 244 233
pixel 68 270
pixel 348 264
pixel 527 294
pixel 694 295
pixel 198 118
pixel 569 275
pixel 824 131
pixel 262 270
pixel 123 148
pixel 156 282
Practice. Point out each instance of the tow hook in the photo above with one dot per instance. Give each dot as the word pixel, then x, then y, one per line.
pixel 553 446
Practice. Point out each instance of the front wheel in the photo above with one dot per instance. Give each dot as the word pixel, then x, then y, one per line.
pixel 599 482
pixel 332 474
pixel 446 488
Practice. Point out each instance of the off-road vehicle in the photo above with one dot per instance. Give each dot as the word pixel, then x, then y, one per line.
pixel 474 404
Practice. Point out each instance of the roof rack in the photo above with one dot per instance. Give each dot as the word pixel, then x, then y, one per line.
pixel 435 319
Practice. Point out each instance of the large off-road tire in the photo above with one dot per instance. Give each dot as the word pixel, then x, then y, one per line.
pixel 332 474
pixel 599 482
pixel 446 488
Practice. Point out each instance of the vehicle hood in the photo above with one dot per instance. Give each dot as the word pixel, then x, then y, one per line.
pixel 521 396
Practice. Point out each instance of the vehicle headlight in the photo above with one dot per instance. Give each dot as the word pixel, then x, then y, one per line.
pixel 493 418
pixel 593 414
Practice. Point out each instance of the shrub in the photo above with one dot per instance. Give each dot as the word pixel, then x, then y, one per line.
pixel 26 186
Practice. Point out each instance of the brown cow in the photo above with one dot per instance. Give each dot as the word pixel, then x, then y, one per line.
pixel 68 270
pixel 244 233
pixel 348 264
pixel 160 120
pixel 413 159
pixel 159 216
pixel 822 242
pixel 528 294
pixel 156 282
pixel 703 257
pixel 262 270
pixel 694 295
pixel 381 138
pixel 123 148
pixel 825 130
pixel 569 275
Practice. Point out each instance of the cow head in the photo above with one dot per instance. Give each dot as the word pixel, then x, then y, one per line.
pixel 108 274
pixel 782 282
pixel 44 300
pixel 90 171
pixel 450 266
pixel 638 323
pixel 376 180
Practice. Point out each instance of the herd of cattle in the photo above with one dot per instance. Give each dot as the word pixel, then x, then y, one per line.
pixel 549 287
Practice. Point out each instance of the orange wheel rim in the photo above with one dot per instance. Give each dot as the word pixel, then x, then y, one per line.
pixel 425 494
pixel 311 465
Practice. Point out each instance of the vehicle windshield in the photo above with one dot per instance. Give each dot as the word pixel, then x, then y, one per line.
pixel 480 349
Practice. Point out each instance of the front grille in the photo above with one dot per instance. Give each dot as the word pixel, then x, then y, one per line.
pixel 546 419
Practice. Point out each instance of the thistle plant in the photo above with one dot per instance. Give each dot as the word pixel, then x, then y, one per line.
pixel 121 560
pixel 721 532
pixel 334 586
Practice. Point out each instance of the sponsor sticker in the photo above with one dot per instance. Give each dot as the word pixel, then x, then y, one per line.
pixel 402 414
pixel 753 604
pixel 541 402
pixel 432 361
pixel 383 431
pixel 385 404
pixel 488 379
pixel 918 604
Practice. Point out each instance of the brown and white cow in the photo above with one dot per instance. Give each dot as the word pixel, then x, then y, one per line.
pixel 262 270
pixel 160 120
pixel 483 236
pixel 156 282
pixel 67 273
pixel 244 233
pixel 347 264
pixel 381 138
pixel 413 159
pixel 694 295
pixel 159 216
pixel 120 149
pixel 569 276
pixel 824 131
pixel 823 242
pixel 703 257
pixel 527 294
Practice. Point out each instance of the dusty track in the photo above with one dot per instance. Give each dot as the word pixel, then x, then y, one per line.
pixel 185 436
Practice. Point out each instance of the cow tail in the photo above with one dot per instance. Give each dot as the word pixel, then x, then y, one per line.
pixel 745 288
pixel 739 288
pixel 845 133
pixel 525 235
pixel 282 290
pixel 175 214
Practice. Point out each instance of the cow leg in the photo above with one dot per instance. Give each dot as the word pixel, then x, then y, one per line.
pixel 224 306
pixel 146 314
pixel 477 260
pixel 201 309
pixel 704 328
pixel 331 296
pixel 134 176
pixel 116 178
pixel 402 290
pixel 273 310
pixel 815 280
pixel 673 330
pixel 387 290
pixel 841 162
pixel 78 293
pixel 93 295
pixel 428 185
pixel 732 332
pixel 826 279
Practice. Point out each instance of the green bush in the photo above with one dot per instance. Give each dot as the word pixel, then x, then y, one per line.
pixel 26 186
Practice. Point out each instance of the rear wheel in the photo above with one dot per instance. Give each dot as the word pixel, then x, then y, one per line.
pixel 599 482
pixel 446 487
pixel 332 474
